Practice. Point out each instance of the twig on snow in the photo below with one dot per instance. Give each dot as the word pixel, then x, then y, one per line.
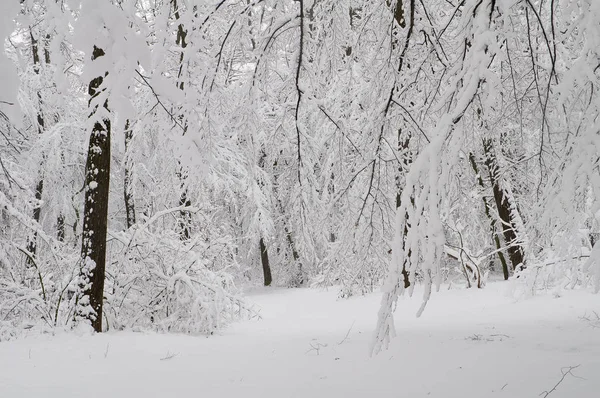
pixel 568 371
pixel 347 334
pixel 593 320
pixel 316 347
pixel 169 356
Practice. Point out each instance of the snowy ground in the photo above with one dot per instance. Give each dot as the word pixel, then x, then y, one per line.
pixel 468 343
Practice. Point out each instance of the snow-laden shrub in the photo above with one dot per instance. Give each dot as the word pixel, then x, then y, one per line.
pixel 555 271
pixel 155 281
pixel 33 291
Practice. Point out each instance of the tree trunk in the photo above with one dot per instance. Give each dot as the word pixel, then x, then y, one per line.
pixel 60 228
pixel 331 191
pixel 403 144
pixel 185 219
pixel 60 219
pixel 515 251
pixel 492 220
pixel 127 188
pixel 399 12
pixel 95 215
pixel 32 241
pixel 264 257
pixel 406 160
pixel 290 239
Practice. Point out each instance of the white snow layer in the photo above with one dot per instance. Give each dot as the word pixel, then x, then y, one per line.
pixel 468 343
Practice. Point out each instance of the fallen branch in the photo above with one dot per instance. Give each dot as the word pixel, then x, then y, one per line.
pixel 168 356
pixel 568 371
pixel 316 347
pixel 347 334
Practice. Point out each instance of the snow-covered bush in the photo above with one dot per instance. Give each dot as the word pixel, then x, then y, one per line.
pixel 158 282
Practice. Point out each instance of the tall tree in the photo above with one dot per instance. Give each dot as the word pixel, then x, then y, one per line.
pixel 39 188
pixel 185 218
pixel 95 214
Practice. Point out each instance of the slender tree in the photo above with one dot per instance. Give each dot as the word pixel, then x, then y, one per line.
pixel 264 258
pixel 185 219
pixel 39 188
pixel 127 180
pixel 488 212
pixel 506 211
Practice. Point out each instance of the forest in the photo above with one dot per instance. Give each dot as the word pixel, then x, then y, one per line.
pixel 158 158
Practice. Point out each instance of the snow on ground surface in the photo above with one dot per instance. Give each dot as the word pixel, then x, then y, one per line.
pixel 468 343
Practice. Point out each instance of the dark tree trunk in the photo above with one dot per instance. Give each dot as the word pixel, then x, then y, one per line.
pixel 60 228
pixel 492 220
pixel 403 141
pixel 300 274
pixel 185 218
pixel 264 258
pixel 95 215
pixel 39 189
pixel 515 251
pixel 405 161
pixel 264 254
pixel 399 12
pixel 290 239
pixel 331 191
pixel 127 188
pixel 37 210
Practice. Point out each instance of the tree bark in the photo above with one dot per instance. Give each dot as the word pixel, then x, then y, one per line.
pixel 97 179
pixel 185 219
pixel 488 213
pixel 60 228
pixel 403 144
pixel 127 183
pixel 264 257
pixel 331 191
pixel 406 160
pixel 39 189
pixel 288 234
pixel 515 251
